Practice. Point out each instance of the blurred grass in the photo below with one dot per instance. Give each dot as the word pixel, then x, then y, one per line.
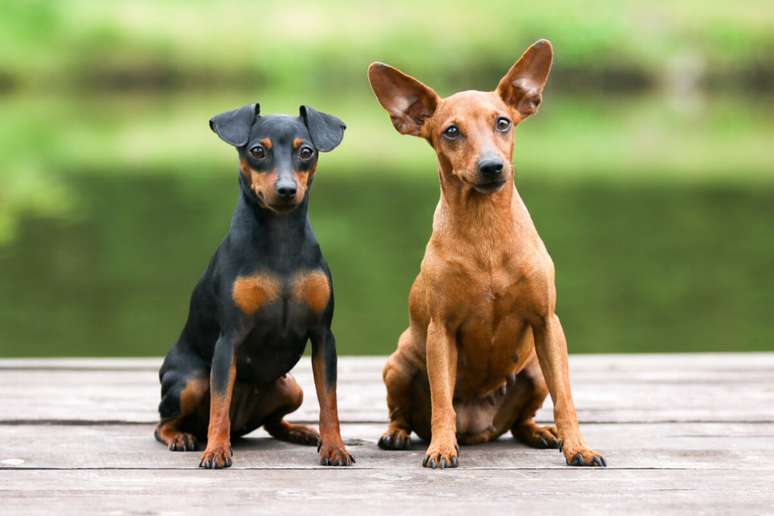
pixel 308 45
pixel 641 139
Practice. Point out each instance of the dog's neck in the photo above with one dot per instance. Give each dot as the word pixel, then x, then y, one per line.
pixel 473 215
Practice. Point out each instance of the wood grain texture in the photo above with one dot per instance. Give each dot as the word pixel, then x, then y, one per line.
pixel 625 446
pixel 681 433
pixel 627 388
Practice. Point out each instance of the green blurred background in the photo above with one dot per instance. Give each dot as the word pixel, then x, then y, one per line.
pixel 649 171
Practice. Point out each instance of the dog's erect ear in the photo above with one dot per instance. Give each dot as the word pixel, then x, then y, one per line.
pixel 522 86
pixel 233 127
pixel 326 130
pixel 408 102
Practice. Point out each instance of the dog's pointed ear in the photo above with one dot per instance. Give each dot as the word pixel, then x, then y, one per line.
pixel 326 130
pixel 522 87
pixel 233 127
pixel 408 102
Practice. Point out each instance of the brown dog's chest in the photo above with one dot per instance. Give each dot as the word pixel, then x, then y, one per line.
pixel 487 292
pixel 494 338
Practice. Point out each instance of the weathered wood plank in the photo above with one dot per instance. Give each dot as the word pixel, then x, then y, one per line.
pixel 607 389
pixel 657 446
pixel 419 491
pixel 72 466
pixel 669 364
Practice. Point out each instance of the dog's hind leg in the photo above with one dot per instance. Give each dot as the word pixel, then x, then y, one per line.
pixel 283 397
pixel 399 374
pixel 183 407
pixel 530 391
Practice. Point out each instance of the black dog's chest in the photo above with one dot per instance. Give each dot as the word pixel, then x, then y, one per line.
pixel 282 300
pixel 283 312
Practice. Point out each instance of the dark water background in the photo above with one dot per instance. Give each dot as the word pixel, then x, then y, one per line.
pixel 671 268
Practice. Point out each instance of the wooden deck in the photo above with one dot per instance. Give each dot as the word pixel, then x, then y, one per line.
pixel 681 434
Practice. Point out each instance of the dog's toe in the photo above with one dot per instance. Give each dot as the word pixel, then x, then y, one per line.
pixel 395 440
pixel 585 457
pixel 182 442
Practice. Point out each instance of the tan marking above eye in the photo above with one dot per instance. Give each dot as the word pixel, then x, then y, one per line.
pixel 312 289
pixel 251 293
pixel 297 143
pixel 266 143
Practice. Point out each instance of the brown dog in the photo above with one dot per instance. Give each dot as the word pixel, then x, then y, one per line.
pixel 484 346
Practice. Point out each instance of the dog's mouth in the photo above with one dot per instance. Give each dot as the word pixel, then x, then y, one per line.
pixel 490 186
pixel 283 206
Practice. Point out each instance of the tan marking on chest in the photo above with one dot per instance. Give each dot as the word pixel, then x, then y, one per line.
pixel 312 289
pixel 251 293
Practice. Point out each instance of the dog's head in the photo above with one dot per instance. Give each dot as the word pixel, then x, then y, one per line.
pixel 278 153
pixel 471 131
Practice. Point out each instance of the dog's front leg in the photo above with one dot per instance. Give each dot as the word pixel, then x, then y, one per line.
pixel 222 377
pixel 442 373
pixel 551 347
pixel 332 450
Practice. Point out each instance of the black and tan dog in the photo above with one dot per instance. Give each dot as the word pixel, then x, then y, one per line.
pixel 266 292
pixel 484 345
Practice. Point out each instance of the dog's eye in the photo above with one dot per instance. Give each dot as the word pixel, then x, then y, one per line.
pixel 503 124
pixel 306 153
pixel 258 152
pixel 452 132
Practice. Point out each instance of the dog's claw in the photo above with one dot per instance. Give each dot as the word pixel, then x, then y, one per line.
pixel 216 457
pixel 335 455
pixel 577 460
pixel 598 461
pixel 395 440
pixel 441 456
pixel 543 442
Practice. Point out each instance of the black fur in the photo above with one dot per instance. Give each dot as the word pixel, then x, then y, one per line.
pixel 269 343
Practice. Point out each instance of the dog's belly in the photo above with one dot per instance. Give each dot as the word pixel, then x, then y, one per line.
pixel 490 349
pixel 276 343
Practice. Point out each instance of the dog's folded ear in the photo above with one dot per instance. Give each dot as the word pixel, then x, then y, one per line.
pixel 233 127
pixel 326 130
pixel 408 102
pixel 522 87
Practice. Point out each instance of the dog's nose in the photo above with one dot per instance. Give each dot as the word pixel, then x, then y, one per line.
pixel 490 167
pixel 286 190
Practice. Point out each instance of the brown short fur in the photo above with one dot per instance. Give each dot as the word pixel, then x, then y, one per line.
pixel 484 345
pixel 250 293
pixel 312 289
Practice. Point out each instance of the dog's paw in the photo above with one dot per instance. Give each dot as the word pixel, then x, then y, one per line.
pixel 442 454
pixel 300 434
pixel 293 433
pixel 583 457
pixel 395 440
pixel 216 456
pixel 335 455
pixel 535 435
pixel 182 441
